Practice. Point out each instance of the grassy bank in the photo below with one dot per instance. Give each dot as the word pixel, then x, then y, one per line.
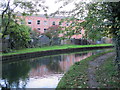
pixel 107 75
pixel 77 77
pixel 28 50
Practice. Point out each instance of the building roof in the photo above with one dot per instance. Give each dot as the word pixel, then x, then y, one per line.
pixel 42 15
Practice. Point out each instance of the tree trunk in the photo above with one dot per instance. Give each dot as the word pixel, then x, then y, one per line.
pixel 50 42
pixel 5 27
pixel 117 47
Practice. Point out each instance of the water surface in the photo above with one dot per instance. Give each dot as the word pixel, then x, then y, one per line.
pixel 43 72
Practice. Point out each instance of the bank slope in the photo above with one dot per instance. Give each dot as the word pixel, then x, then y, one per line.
pixel 77 76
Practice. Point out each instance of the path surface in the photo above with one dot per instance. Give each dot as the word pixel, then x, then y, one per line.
pixel 93 65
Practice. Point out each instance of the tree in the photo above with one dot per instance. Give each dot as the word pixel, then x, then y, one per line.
pixel 73 27
pixel 101 18
pixel 104 18
pixel 19 36
pixel 10 8
pixel 34 35
pixel 14 73
pixel 52 32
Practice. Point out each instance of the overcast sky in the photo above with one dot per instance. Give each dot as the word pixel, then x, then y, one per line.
pixel 51 4
pixel 54 6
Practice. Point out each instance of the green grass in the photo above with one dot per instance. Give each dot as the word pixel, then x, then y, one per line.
pixel 76 77
pixel 107 75
pixel 28 50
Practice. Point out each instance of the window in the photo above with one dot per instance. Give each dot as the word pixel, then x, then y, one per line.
pixel 53 23
pixel 16 21
pixel 67 24
pixel 45 29
pixel 38 21
pixel 60 23
pixel 38 28
pixel 45 22
pixel 29 21
pixel 22 22
pixel 73 24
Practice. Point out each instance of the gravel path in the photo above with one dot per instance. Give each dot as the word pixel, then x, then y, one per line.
pixel 93 65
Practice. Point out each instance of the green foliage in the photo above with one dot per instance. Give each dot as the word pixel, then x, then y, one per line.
pixel 103 18
pixel 74 27
pixel 77 76
pixel 14 73
pixel 53 31
pixel 107 75
pixel 10 11
pixel 19 35
pixel 34 35
pixel 0 35
pixel 28 50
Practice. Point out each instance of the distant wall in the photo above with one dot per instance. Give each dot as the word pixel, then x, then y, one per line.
pixel 76 41
pixel 45 41
pixel 107 40
pixel 3 45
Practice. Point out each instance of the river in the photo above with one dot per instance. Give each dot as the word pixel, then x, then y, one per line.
pixel 42 72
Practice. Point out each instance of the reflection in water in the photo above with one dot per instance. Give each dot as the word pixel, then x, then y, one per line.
pixel 68 60
pixel 15 74
pixel 48 81
pixel 43 72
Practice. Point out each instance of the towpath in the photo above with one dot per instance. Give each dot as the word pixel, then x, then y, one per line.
pixel 93 65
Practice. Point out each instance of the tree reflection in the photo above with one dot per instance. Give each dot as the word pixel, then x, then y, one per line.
pixel 81 54
pixel 15 74
pixel 54 64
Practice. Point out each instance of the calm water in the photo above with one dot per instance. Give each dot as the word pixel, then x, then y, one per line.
pixel 44 72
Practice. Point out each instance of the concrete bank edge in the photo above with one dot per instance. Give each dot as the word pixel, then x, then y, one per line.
pixel 17 57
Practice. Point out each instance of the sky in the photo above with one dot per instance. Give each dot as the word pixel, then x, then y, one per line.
pixel 54 6
pixel 50 3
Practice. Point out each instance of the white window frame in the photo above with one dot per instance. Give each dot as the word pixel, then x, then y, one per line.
pixel 29 21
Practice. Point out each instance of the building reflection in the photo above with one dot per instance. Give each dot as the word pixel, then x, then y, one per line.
pixel 57 64
pixel 27 73
pixel 69 60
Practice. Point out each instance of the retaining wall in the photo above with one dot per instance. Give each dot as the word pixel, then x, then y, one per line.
pixel 46 53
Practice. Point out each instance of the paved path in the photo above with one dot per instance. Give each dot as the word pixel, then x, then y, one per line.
pixel 93 65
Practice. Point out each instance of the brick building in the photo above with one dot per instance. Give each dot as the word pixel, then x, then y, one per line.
pixel 41 23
